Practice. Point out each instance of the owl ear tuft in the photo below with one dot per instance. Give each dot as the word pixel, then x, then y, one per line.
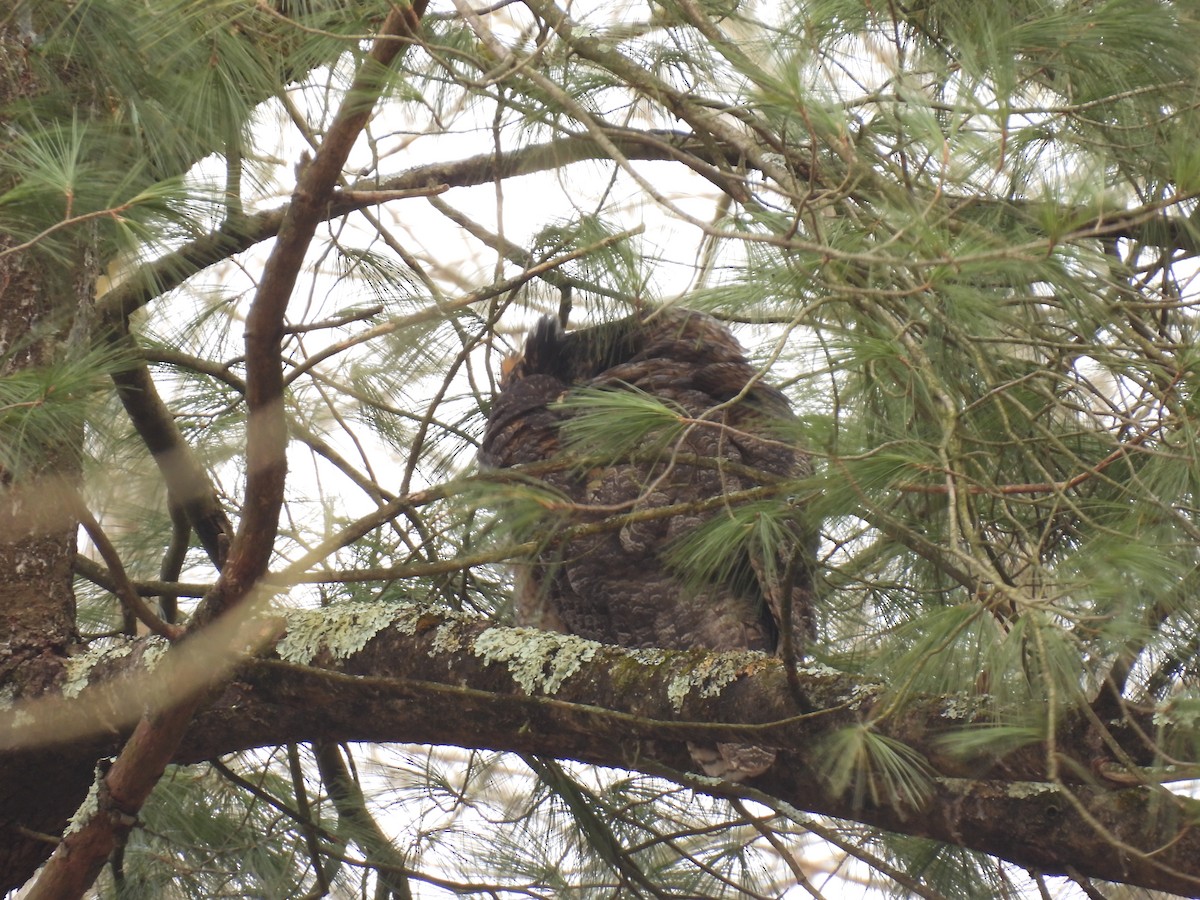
pixel 543 354
pixel 544 347
pixel 579 356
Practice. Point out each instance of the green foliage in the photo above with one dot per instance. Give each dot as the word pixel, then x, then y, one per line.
pixel 952 871
pixel 720 549
pixel 527 506
pixel 939 651
pixel 960 236
pixel 622 267
pixel 988 739
pixel 874 768
pixel 245 841
pixel 612 424
pixel 67 183
pixel 43 409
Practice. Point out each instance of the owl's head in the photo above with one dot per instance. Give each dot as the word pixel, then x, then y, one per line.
pixel 578 356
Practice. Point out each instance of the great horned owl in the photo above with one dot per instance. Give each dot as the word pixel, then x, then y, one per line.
pixel 618 586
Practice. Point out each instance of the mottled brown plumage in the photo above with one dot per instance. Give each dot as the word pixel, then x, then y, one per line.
pixel 616 586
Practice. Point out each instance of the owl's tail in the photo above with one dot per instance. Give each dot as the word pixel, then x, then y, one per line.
pixel 731 762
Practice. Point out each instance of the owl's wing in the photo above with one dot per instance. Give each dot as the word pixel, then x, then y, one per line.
pixel 785 568
pixel 753 412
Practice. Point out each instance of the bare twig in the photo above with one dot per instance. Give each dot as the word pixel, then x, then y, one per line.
pixel 124 589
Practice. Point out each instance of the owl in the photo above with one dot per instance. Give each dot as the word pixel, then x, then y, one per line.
pixel 623 585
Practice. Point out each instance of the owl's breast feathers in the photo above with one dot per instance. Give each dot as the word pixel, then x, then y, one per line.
pixel 617 585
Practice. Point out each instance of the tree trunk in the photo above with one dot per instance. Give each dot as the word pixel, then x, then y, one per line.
pixel 43 303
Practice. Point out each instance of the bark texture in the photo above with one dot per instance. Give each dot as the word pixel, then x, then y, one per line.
pixel 44 304
pixel 553 695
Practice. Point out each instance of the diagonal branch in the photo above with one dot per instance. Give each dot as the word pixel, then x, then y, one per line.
pixel 188 485
pixel 355 822
pixel 131 600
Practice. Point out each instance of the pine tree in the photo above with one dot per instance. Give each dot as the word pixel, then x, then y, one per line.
pixel 259 263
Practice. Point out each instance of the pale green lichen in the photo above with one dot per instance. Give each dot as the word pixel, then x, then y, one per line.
pixel 960 706
pixel 710 676
pixel 818 670
pixel 648 656
pixel 1019 790
pixel 538 661
pixel 87 809
pixel 862 693
pixel 21 718
pixel 154 648
pixel 1182 711
pixel 447 639
pixel 407 616
pixel 79 668
pixel 1023 789
pixel 341 630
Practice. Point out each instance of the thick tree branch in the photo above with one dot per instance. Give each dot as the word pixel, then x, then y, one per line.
pixel 552 695
pixel 619 709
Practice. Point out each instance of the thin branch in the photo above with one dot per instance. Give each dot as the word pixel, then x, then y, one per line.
pixel 356 822
pixel 444 310
pixel 771 837
pixel 69 222
pixel 188 485
pixel 124 589
pixel 97 574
